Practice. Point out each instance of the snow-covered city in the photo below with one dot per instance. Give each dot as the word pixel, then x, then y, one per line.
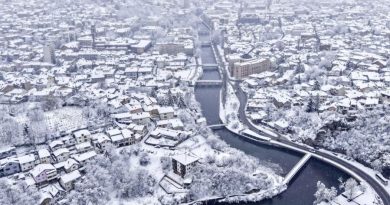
pixel 168 102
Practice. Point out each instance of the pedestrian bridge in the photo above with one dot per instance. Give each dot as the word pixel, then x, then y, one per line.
pixel 205 83
pixel 210 66
pixel 205 44
pixel 216 126
pixel 294 171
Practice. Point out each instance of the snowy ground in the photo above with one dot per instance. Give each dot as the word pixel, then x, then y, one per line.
pixel 229 111
pixel 62 119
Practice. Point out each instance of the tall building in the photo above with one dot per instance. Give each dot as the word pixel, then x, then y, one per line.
pixel 48 54
pixel 245 68
pixel 93 33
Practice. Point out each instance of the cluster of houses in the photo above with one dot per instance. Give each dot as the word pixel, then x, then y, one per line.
pixel 75 56
pixel 279 54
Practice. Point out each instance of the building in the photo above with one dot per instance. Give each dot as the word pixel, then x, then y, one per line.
pixel 61 154
pixel 183 163
pixel 43 173
pixel 166 113
pixel 101 141
pixel 141 118
pixel 83 147
pixel 44 156
pixel 243 69
pixel 9 166
pixel 82 136
pixel 142 46
pixel 56 144
pixel 70 165
pixel 67 180
pixel 171 48
pixel 48 54
pixel 27 162
pixel 7 152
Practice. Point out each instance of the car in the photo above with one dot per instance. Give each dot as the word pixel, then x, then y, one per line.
pixel 312 150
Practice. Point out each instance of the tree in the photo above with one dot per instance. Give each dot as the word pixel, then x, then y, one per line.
pixel 324 194
pixel 351 187
pixel 310 105
pixel 18 194
pixel 317 85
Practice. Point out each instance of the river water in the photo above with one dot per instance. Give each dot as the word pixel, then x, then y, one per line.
pixel 302 188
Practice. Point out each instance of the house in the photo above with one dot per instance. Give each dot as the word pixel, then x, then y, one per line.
pixel 166 113
pixel 141 118
pixel 371 103
pixel 121 137
pixel 67 180
pixel 9 166
pixel 183 163
pixel 167 133
pixel 61 154
pixel 385 97
pixel 71 165
pixel 7 151
pixel 128 138
pixel 151 109
pixel 281 100
pixel 175 124
pixel 68 140
pixel 281 125
pixel 82 135
pixel 27 162
pixel 44 156
pixel 43 173
pixel 137 108
pixel 100 141
pixel 82 158
pixel 257 117
pixel 122 117
pixel 56 144
pixel 53 192
pixel 84 147
pixel 140 129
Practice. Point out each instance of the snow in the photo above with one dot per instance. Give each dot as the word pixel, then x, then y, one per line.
pixel 40 168
pixel 185 159
pixel 70 177
pixel 26 159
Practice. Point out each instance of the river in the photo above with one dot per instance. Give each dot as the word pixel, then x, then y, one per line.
pixel 302 188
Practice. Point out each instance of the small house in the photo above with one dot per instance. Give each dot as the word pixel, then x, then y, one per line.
pixel 43 173
pixel 27 162
pixel 183 163
pixel 67 180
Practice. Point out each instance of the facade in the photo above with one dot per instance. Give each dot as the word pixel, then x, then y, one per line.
pixel 7 152
pixel 27 162
pixel 43 173
pixel 101 141
pixel 245 68
pixel 9 166
pixel 67 180
pixel 44 156
pixel 183 163
pixel 84 147
pixel 171 48
pixel 166 113
pixel 48 54
pixel 82 136
pixel 61 154
pixel 71 165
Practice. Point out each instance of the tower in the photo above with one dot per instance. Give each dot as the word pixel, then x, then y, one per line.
pixel 93 34
pixel 48 54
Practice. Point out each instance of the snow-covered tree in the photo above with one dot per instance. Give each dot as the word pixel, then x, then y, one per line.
pixel 324 194
pixel 18 194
